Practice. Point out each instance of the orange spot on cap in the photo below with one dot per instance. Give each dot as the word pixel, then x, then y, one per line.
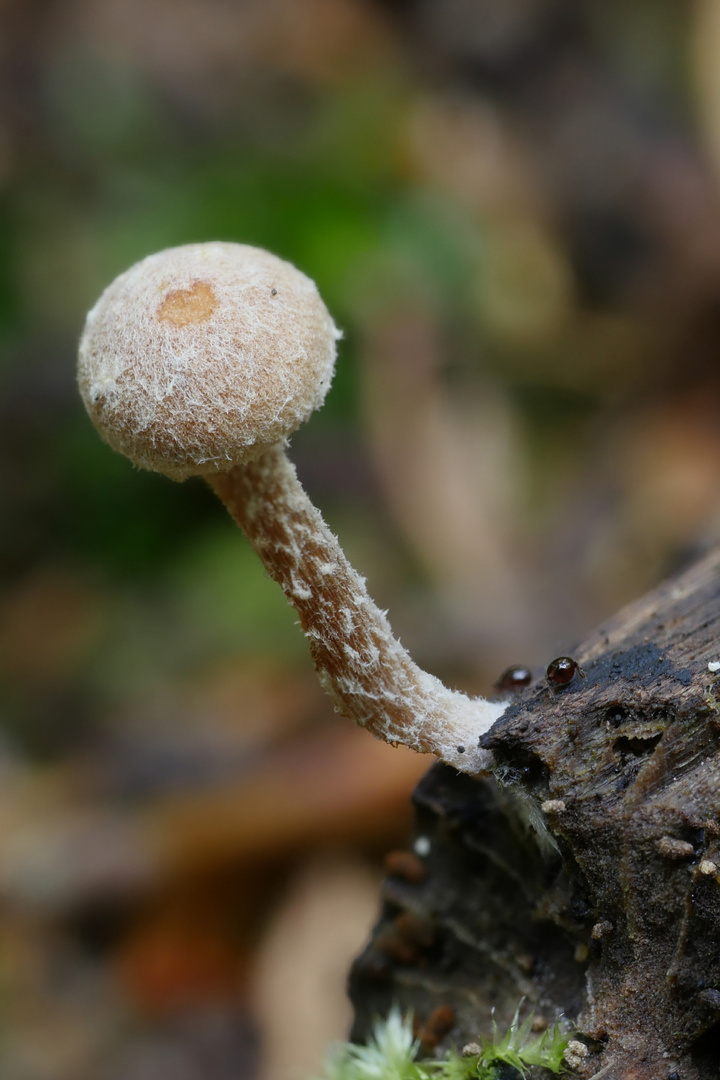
pixel 184 307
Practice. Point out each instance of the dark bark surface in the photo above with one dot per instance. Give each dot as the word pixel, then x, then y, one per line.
pixel 584 877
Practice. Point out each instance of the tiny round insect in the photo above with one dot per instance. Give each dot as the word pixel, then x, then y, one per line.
pixel 514 678
pixel 561 671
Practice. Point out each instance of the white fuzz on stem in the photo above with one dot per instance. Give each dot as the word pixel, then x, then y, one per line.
pixel 369 675
pixel 202 360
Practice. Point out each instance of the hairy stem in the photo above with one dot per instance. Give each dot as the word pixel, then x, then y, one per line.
pixel 369 675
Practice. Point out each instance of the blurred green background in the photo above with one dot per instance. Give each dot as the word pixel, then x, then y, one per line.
pixel 512 211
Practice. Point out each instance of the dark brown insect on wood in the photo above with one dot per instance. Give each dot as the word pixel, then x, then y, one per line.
pixel 514 679
pixel 562 671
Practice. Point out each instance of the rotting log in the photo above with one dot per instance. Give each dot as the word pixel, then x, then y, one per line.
pixel 584 876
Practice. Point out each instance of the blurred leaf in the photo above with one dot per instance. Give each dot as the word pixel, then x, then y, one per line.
pixel 224 597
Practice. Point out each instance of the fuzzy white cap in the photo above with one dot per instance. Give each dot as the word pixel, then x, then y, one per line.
pixel 199 358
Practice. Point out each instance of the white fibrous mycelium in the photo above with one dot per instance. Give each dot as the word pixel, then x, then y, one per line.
pixel 201 360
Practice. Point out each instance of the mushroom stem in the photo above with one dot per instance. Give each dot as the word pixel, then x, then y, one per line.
pixel 369 675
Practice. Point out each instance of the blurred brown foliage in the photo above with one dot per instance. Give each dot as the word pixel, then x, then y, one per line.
pixel 512 209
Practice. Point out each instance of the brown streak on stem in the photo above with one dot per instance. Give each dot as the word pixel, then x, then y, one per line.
pixel 370 677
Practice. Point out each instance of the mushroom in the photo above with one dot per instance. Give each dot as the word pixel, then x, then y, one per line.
pixel 202 360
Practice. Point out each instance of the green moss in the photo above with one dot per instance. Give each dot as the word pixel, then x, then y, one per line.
pixel 391 1052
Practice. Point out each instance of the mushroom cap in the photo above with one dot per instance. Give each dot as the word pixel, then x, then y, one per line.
pixel 199 358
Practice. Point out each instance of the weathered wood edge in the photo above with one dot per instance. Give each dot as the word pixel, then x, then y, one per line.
pixel 584 876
